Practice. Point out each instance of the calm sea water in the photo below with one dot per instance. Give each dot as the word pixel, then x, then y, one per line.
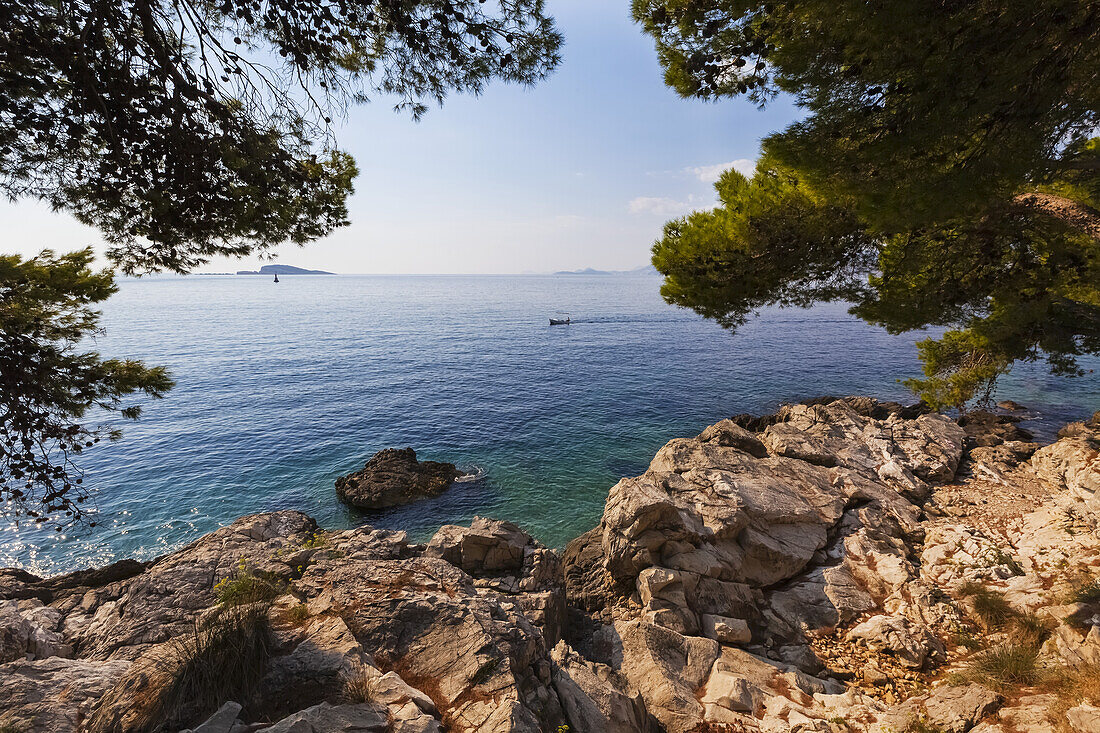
pixel 282 388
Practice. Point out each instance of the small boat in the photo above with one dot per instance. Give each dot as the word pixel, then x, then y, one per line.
pixel 276 277
pixel 556 322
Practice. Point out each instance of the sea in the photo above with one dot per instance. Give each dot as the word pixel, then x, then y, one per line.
pixel 281 388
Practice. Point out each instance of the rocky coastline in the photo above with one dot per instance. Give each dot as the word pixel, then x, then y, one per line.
pixel 844 565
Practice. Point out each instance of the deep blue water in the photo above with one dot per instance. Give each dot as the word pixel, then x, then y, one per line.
pixel 281 388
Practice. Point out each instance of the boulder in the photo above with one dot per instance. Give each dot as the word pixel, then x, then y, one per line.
pixel 985 429
pixel 1084 718
pixel 326 718
pixel 29 630
pixel 594 696
pixel 1072 465
pixel 486 547
pixel 502 557
pixel 898 636
pixel 666 668
pixel 473 651
pixel 393 477
pixel 958 709
pixel 55 695
pixel 222 721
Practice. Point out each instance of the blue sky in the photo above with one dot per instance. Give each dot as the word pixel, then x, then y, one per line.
pixel 579 171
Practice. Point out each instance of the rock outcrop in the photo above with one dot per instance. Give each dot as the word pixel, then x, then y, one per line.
pixel 394 476
pixel 828 568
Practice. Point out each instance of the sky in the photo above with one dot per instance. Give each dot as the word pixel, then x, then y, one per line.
pixel 581 170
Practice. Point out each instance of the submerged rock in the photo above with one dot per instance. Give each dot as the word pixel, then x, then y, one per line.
pixel 394 476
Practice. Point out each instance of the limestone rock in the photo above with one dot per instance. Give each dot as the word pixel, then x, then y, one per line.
pixel 726 630
pixel 666 668
pixel 594 696
pixel 1084 718
pixel 55 694
pixel 486 547
pixel 988 429
pixel 29 630
pixel 394 476
pixel 897 635
pixel 122 619
pixel 222 721
pixel 326 718
pixel 958 709
pixel 1073 465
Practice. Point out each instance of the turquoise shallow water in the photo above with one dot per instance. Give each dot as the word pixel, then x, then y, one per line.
pixel 281 388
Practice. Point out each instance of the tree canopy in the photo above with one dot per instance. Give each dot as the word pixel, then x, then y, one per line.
pixel 184 129
pixel 945 173
pixel 48 384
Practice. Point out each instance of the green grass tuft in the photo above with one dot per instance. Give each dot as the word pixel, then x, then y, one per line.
pixel 1005 666
pixel 1084 591
pixel 1030 630
pixel 991 608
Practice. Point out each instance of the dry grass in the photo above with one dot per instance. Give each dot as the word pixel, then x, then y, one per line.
pixel 1084 590
pixel 967 640
pixel 1030 630
pixel 991 608
pixel 1073 687
pixel 298 615
pixel 221 658
pixel 360 685
pixel 1005 666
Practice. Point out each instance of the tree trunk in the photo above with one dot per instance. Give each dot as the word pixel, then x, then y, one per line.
pixel 1074 214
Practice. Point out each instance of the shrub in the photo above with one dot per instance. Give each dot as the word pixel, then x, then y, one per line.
pixel 315 540
pixel 298 614
pixel 220 658
pixel 969 588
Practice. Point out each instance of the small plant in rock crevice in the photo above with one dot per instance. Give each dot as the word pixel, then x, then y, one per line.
pixel 921 725
pixel 991 608
pixel 245 587
pixel 1085 590
pixel 360 684
pixel 1004 666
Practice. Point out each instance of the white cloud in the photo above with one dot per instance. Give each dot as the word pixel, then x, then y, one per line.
pixel 665 206
pixel 659 205
pixel 711 173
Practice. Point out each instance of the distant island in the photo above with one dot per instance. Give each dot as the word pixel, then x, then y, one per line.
pixel 283 270
pixel 643 271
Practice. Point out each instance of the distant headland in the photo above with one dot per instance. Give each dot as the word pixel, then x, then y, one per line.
pixel 283 270
pixel 643 271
